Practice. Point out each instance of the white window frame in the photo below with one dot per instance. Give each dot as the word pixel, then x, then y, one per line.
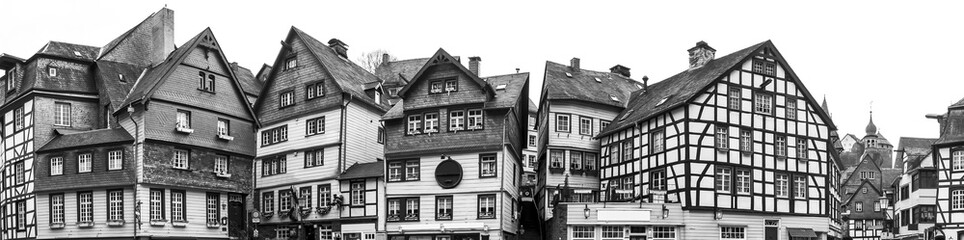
pixel 181 159
pixel 487 165
pixel 723 179
pixel 563 122
pixel 62 113
pixel 57 166
pixel 221 164
pixel 474 120
pixel 183 120
pixel 284 200
pixel 85 162
pixel 800 187
pixel 722 137
pixel 763 103
pixel 115 160
pixel 746 140
pixel 803 148
pixel 658 140
pixel 743 181
pixel 734 100
pixel 663 233
pixel 85 202
pixel 156 205
pixel 791 109
pixel 610 232
pixel 115 205
pixel 732 232
pixel 457 120
pixel 585 125
pixel 958 160
pixel 224 127
pixel 580 232
pixel 957 199
pixel 358 193
pixel 287 99
pixel 177 206
pixel 212 211
pixel 782 185
pixel 780 146
pixel 57 205
pixel 414 124
pixel 431 122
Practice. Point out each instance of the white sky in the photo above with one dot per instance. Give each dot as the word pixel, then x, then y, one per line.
pixel 898 55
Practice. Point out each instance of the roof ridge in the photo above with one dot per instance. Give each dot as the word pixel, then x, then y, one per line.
pixel 503 75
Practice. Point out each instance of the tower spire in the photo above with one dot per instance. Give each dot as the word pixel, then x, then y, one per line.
pixel 871 129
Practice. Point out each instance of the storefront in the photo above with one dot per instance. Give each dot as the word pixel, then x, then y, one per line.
pixel 440 231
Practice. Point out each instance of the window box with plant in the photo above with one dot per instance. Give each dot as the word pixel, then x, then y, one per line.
pixel 115 222
pixel 85 224
pixel 57 225
pixel 183 122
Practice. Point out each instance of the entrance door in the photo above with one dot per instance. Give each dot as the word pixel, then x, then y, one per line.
pixel 237 217
pixel 770 233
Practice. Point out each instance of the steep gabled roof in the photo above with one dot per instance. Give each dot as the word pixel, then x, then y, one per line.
pixel 109 83
pixel 532 107
pixel 87 138
pixel 865 159
pixel 564 83
pixel 686 85
pixel 363 170
pixel 148 83
pixel 70 51
pixel 509 97
pixel 348 76
pixel 249 84
pixel 952 125
pixel 398 73
pixel 864 184
pixel 8 61
pixel 915 146
pixel 443 57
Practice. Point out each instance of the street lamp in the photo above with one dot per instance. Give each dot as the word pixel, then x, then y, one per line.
pixel 585 211
pixel 665 212
pixel 718 214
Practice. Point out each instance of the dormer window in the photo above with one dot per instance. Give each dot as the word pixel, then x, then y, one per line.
pixel 11 79
pixel 121 78
pixel 205 82
pixel 378 97
pixel 414 124
pixel 451 86
pixel 436 87
pixel 52 71
pixel 291 63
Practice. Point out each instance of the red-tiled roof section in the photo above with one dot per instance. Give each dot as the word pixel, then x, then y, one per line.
pixel 583 85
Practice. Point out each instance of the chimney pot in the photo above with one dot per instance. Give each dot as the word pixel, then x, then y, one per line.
pixel 620 69
pixel 574 64
pixel 386 58
pixel 701 54
pixel 340 47
pixel 645 83
pixel 474 64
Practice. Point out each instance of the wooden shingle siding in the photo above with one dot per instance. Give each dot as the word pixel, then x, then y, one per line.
pixel 335 190
pixel 308 69
pixel 182 87
pixel 361 135
pixel 161 118
pixel 71 230
pixel 487 139
pixel 297 139
pixel 196 214
pixel 418 96
pixel 471 183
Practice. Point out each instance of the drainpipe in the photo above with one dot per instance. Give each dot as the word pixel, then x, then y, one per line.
pixel 341 135
pixel 137 211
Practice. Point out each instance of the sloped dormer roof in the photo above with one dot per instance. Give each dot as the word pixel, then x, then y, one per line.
pixel 953 125
pixel 515 85
pixel 70 51
pixel 586 85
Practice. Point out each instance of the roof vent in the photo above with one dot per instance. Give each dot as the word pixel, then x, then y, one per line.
pixel 627 114
pixel 661 101
pixel 121 77
pixel 500 87
pixel 76 53
pixel 639 86
pixel 598 80
pixel 568 74
pixel 613 97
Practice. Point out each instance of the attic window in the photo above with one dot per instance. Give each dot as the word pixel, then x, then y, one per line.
pixel 568 74
pixel 52 71
pixel 121 77
pixel 76 53
pixel 613 97
pixel 661 101
pixel 500 87
pixel 598 80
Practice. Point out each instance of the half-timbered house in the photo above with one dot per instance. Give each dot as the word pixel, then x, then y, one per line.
pixel 948 157
pixel 738 142
pixel 864 212
pixel 576 105
pixel 454 153
pixel 914 201
pixel 320 117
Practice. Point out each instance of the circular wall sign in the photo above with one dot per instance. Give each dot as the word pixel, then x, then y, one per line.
pixel 448 173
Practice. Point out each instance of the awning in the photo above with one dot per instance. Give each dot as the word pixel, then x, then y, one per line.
pixel 801 232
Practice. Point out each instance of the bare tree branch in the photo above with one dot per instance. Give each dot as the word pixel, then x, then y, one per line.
pixel 371 60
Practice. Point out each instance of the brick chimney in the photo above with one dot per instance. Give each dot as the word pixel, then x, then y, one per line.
pixel 340 47
pixel 701 54
pixel 162 35
pixel 474 64
pixel 574 64
pixel 620 69
pixel 386 59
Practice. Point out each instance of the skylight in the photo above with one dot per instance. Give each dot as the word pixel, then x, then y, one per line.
pixel 613 97
pixel 597 80
pixel 639 86
pixel 500 87
pixel 77 53
pixel 626 115
pixel 661 101
pixel 568 74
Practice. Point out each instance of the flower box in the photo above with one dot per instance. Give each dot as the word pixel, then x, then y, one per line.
pixel 57 225
pixel 179 223
pixel 115 223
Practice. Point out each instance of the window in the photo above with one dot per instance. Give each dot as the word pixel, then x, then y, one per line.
pixel 315 90
pixel 743 181
pixel 61 114
pixel 431 122
pixel 275 165
pixel 603 125
pixel 958 162
pixel 115 206
pixel 178 206
pixel 487 165
pixel 732 233
pixel 555 158
pixel 57 208
pixel 802 148
pixel 115 160
pixel 291 63
pixel 267 202
pixel 18 121
pixel 378 96
pixel 924 179
pixel 657 180
pixel 486 206
pixel 791 109
pixel 763 103
pixel 876 206
pixel 221 164
pixel 84 162
pixel 589 161
pixel 414 124
pixel 764 67
pixel 859 206
pixel 274 135
pixel 381 135
pixel 614 152
pixel 402 209
pixel 456 120
pixel 436 87
pixel 532 161
pixel 182 158
pixel 287 98
pixel 324 232
pixel 324 195
pixel 780 146
pixel 284 200
pixel 925 213
pixel 562 123
pixel 183 119
pixel 800 186
pixel 664 232
pixel 224 127
pixel 358 193
pixel 21 215
pixel 575 160
pixel 205 82
pixel 451 85
pixel 315 158
pixel 532 140
pixel 723 179
pixel 20 172
pixel 11 77
pixel 213 212
pixel 583 232
pixel 957 199
pixel 157 205
pixel 782 185
pixel 585 126
pixel 443 208
pixel 746 140
pixel 628 150
pixel 612 232
pixel 411 209
pixel 658 141
pixel 52 71
pixel 734 98
pixel 85 203
pixel 722 137
pixel 475 119
pixel 282 233
pixel 403 170
pixel 56 166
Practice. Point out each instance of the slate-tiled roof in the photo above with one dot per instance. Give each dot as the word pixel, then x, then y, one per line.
pixel 348 76
pixel 87 138
pixel 583 86
pixel 249 84
pixel 398 73
pixel 677 89
pixel 364 170
pixel 915 146
pixel 109 83
pixel 70 51
pixel 888 175
pixel 154 75
pixel 953 124
pixel 532 107
pixel 503 98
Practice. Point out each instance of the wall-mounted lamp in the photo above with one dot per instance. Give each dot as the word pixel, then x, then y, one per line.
pixel 665 212
pixel 585 211
pixel 718 214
